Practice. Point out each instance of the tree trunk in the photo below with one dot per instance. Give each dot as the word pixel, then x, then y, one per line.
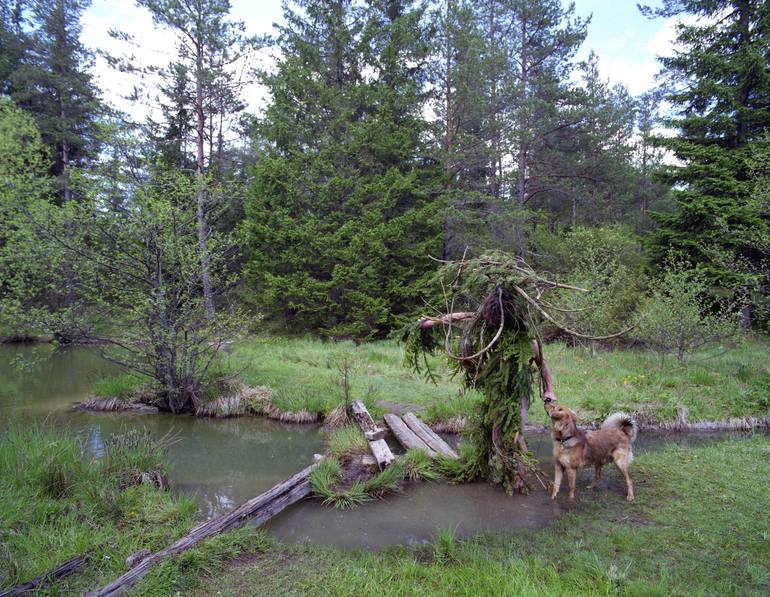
pixel 208 298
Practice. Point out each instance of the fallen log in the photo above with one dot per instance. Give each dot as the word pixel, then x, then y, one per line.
pixel 405 436
pixel 39 582
pixel 427 435
pixel 373 434
pixel 259 508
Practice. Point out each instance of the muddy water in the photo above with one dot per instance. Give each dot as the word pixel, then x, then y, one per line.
pixel 416 515
pixel 224 462
pixel 221 462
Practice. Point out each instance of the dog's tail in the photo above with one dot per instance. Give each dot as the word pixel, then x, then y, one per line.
pixel 624 422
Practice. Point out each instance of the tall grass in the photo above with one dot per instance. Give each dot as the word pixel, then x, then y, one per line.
pixel 57 501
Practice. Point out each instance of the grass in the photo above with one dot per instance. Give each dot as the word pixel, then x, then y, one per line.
pixel 699 527
pixel 347 441
pixel 123 387
pixel 56 502
pixel 304 377
pixel 717 384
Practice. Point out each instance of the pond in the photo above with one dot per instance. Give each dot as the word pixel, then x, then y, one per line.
pixel 223 462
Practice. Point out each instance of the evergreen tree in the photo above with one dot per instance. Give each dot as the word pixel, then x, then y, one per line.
pixel 342 216
pixel 720 89
pixel 52 82
pixel 14 41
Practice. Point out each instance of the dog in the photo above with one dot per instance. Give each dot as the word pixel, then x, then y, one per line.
pixel 575 448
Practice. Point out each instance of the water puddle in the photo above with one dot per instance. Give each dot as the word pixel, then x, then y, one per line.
pixel 415 516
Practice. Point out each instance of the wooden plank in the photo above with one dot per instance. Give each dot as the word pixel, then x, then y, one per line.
pixel 426 434
pixel 405 436
pixel 381 452
pixel 365 421
pixel 378 446
pixel 260 508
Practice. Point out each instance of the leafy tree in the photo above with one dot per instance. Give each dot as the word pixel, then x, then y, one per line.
pixel 137 232
pixel 720 89
pixel 26 267
pixel 342 217
pixel 202 92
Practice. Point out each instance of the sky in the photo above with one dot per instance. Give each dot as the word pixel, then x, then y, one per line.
pixel 625 42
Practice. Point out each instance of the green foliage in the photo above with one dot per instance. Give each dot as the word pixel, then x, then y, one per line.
pixel 417 465
pixel 718 88
pixel 29 266
pixel 342 216
pixel 326 476
pixel 386 481
pixel 607 263
pixel 676 318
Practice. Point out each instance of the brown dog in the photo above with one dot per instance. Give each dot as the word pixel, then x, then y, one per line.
pixel 575 448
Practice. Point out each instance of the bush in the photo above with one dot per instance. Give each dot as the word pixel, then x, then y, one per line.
pixel 678 317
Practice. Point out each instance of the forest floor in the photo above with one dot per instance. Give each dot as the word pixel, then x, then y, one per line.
pixel 719 383
pixel 699 526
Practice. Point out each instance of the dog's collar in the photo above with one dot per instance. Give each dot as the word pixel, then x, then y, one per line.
pixel 564 439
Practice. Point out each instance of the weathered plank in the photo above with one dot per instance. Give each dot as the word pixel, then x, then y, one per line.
pixel 427 435
pixel 44 580
pixel 378 446
pixel 371 430
pixel 381 452
pixel 259 509
pixel 405 436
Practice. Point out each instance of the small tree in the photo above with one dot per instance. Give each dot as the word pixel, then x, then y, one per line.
pixel 679 317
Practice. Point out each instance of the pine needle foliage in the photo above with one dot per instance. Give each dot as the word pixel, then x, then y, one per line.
pixel 502 301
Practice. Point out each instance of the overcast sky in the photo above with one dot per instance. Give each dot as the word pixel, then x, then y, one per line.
pixel 625 41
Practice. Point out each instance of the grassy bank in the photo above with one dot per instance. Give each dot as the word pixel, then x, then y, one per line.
pixel 718 383
pixel 305 378
pixel 57 502
pixel 699 527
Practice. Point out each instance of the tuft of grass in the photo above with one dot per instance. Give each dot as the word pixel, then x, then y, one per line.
pixel 385 482
pixel 445 546
pixel 323 481
pixel 416 464
pixel 345 442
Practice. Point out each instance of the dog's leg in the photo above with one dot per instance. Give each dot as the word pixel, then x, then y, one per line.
pixel 558 472
pixel 571 477
pixel 621 461
pixel 597 476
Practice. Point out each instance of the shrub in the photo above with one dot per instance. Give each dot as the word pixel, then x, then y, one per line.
pixel 679 317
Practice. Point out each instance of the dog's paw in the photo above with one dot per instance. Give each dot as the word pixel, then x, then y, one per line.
pixel 629 498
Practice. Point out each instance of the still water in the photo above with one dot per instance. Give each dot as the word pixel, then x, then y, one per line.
pixel 223 462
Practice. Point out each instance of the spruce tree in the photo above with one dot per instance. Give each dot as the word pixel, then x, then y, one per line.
pixel 342 217
pixel 720 90
pixel 52 82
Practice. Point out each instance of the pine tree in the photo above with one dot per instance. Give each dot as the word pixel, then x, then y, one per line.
pixel 342 216
pixel 203 95
pixel 720 89
pixel 52 82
